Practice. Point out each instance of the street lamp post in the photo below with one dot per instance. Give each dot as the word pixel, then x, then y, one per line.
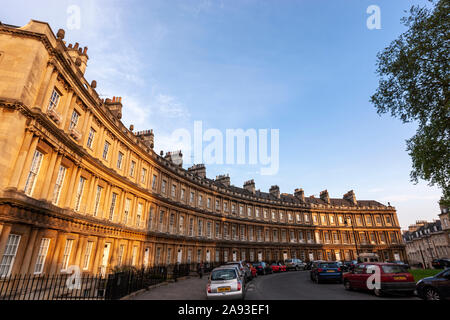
pixel 353 231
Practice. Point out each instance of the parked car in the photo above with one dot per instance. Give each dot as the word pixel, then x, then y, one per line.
pixel 294 264
pixel 349 265
pixel 435 288
pixel 275 267
pixel 325 270
pixel 309 265
pixel 225 283
pixel 394 278
pixel 400 263
pixel 247 274
pixel 441 263
pixel 252 270
pixel 282 267
pixel 263 268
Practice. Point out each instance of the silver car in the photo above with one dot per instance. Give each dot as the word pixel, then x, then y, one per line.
pixel 225 283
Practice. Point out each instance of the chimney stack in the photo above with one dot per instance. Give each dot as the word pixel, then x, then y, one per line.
pixel 199 170
pixel 275 191
pixel 350 196
pixel 324 196
pixel 114 106
pixel 300 194
pixel 147 137
pixel 224 179
pixel 250 186
pixel 176 157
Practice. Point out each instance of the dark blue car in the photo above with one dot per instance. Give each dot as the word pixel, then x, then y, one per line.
pixel 435 288
pixel 326 271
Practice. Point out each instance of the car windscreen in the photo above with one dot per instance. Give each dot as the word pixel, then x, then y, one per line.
pixel 223 274
pixel 328 265
pixel 394 269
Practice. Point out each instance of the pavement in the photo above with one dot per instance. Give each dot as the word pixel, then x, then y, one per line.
pixel 293 285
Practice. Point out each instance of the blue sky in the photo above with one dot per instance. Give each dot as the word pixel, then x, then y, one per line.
pixel 306 68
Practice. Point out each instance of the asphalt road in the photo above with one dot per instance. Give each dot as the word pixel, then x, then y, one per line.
pixel 293 285
pixel 297 285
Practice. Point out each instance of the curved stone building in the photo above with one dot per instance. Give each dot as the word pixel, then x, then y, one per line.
pixel 79 188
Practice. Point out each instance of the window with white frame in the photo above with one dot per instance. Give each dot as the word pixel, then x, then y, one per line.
pixel 105 150
pixel 113 206
pixel 208 203
pixel 306 217
pixel 34 171
pixel 143 175
pixel 42 254
pixel 161 220
pixel 132 167
pixel 182 195
pixel 265 214
pixel 172 223
pixel 154 182
pixel 58 185
pixel 200 200
pixel 181 225
pixel 169 256
pixel 74 119
pixel 191 227
pixel 120 255
pixel 249 211
pixel 90 139
pixel 119 160
pixel 9 255
pixel 200 227
pixel 225 206
pixel 233 208
pixel 191 198
pixel 134 255
pixel 98 195
pixel 217 230
pixel 217 204
pixel 139 215
pixel 257 212
pixel 241 210
pixel 250 233
pixel 174 190
pixel 126 211
pixel 87 255
pixel 189 256
pixel 163 186
pixel 66 255
pixel 273 215
pixel 150 218
pixel 208 229
pixel 54 100
pixel 79 193
pixel 158 256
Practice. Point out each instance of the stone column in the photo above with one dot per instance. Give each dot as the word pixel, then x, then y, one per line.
pixel 58 250
pixel 76 170
pixel 6 229
pixel 43 88
pixel 91 194
pixel 27 164
pixel 79 253
pixel 70 98
pixel 48 91
pixel 98 255
pixel 19 165
pixel 49 175
pixel 26 267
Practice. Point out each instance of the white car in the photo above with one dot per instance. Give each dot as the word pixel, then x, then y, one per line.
pixel 225 283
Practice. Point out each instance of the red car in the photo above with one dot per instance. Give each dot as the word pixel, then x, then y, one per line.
pixel 394 278
pixel 253 270
pixel 282 267
pixel 275 267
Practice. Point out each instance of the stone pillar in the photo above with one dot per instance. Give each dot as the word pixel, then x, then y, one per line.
pixel 76 170
pixel 27 164
pixel 98 255
pixel 79 253
pixel 91 194
pixel 58 250
pixel 70 98
pixel 48 91
pixel 6 229
pixel 19 165
pixel 49 174
pixel 25 267
pixel 49 72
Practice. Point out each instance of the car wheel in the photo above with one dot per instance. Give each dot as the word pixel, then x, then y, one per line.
pixel 347 285
pixel 378 292
pixel 432 294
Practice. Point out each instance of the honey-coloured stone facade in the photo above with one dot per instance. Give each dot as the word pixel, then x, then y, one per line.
pixel 79 188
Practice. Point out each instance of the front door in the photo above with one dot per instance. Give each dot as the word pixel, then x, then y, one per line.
pixel 105 258
pixel 146 256
pixel 180 253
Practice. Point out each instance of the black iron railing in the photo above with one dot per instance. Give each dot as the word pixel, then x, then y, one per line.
pixel 112 286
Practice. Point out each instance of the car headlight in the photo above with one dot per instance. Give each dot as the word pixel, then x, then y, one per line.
pixel 419 282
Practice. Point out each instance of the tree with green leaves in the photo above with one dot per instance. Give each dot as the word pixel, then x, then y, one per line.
pixel 413 86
